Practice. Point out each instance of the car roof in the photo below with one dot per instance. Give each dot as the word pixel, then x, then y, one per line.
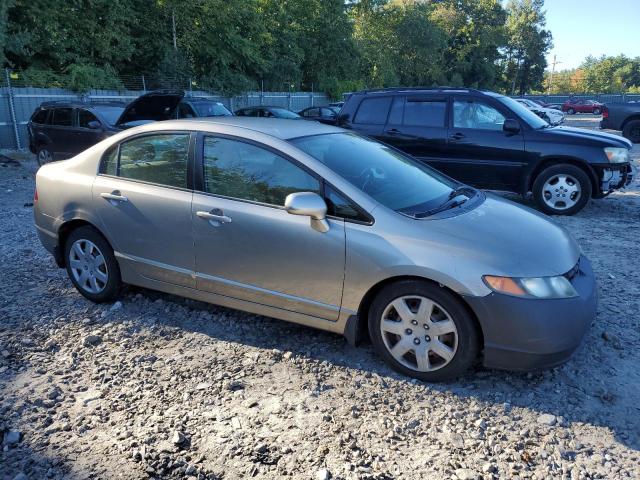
pixel 284 129
pixel 80 104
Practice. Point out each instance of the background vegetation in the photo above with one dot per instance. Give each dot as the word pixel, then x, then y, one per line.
pixel 330 45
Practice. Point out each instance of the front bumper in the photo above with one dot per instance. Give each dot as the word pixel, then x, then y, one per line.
pixel 529 334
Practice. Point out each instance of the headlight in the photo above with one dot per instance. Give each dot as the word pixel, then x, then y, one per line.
pixel 537 287
pixel 617 155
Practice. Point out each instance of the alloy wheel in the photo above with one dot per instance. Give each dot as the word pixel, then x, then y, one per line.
pixel 419 333
pixel 88 266
pixel 44 156
pixel 561 192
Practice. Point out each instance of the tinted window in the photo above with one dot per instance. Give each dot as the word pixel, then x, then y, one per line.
pixel 397 110
pixel 284 113
pixel 241 170
pixel 312 112
pixel 210 109
pixel 40 117
pixel 423 113
pixel 388 176
pixel 477 115
pixel 373 111
pixel 523 113
pixel 185 111
pixel 84 117
pixel 62 117
pixel 158 159
pixel 338 206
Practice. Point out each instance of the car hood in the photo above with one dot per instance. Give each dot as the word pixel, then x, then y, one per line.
pixel 500 237
pixel 152 106
pixel 606 139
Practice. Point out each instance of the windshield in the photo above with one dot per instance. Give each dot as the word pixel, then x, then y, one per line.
pixel 533 120
pixel 210 109
pixel 111 113
pixel 284 113
pixel 388 176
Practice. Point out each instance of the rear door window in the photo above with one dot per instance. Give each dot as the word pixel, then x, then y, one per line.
pixel 62 117
pixel 40 117
pixel 373 111
pixel 425 112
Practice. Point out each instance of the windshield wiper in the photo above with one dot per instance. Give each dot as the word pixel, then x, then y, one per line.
pixel 452 201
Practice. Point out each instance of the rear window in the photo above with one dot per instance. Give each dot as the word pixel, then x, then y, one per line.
pixel 62 117
pixel 373 111
pixel 425 113
pixel 40 117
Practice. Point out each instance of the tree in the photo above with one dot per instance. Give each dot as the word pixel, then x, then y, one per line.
pixel 527 44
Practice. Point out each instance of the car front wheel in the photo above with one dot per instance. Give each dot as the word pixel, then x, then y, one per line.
pixel 562 190
pixel 44 156
pixel 423 331
pixel 92 266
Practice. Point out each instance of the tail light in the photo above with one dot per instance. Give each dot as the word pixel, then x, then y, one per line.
pixel 35 196
pixel 605 112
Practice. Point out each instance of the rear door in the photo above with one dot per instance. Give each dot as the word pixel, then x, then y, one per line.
pixel 417 126
pixel 61 132
pixel 480 152
pixel 84 136
pixel 371 116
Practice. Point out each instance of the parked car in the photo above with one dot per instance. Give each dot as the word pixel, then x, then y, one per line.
pixel 267 112
pixel 624 117
pixel 326 115
pixel 551 116
pixel 490 141
pixel 59 130
pixel 337 105
pixel 554 106
pixel 577 105
pixel 317 225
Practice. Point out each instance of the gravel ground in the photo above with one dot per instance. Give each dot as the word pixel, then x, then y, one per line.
pixel 156 386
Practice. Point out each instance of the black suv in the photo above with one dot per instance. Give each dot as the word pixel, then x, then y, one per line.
pixel 490 141
pixel 59 130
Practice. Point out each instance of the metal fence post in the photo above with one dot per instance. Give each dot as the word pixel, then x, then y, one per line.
pixel 289 100
pixel 144 85
pixel 12 110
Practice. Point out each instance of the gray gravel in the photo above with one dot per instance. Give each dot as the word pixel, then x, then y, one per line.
pixel 156 386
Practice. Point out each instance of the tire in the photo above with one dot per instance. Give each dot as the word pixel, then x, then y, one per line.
pixel 631 131
pixel 463 344
pixel 43 155
pixel 597 111
pixel 105 274
pixel 571 111
pixel 553 189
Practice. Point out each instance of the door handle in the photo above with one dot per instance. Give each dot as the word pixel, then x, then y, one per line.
pixel 214 217
pixel 456 136
pixel 114 196
pixel 393 131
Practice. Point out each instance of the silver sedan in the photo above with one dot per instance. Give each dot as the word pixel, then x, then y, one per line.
pixel 316 225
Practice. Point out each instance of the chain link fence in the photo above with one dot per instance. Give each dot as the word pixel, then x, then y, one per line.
pixel 21 94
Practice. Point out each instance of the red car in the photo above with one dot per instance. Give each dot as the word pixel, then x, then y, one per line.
pixel 577 105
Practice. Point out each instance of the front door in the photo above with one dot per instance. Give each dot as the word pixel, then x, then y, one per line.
pixel 143 199
pixel 480 152
pixel 248 247
pixel 83 135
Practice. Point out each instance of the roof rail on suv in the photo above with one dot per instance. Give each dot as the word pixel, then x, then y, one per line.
pixel 414 89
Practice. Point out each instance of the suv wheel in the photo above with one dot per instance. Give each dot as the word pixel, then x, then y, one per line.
pixel 91 265
pixel 571 111
pixel 44 156
pixel 423 331
pixel 596 111
pixel 562 190
pixel 632 131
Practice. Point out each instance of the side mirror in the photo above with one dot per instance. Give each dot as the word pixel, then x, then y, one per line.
pixel 94 125
pixel 511 126
pixel 308 204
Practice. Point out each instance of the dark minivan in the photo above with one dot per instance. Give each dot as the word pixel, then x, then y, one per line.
pixel 490 141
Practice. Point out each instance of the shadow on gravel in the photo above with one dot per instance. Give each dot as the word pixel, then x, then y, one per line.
pixel 574 392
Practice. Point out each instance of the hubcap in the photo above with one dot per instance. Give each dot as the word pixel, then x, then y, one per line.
pixel 561 192
pixel 88 266
pixel 44 156
pixel 411 345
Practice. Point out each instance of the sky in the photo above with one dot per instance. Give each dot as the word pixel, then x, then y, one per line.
pixel 592 27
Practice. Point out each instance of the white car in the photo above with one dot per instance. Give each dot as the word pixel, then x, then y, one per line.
pixel 551 115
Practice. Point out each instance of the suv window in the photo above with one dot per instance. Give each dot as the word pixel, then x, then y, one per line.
pixel 477 115
pixel 248 172
pixel 185 111
pixel 373 111
pixel 84 117
pixel 160 159
pixel 62 117
pixel 312 112
pixel 425 112
pixel 40 117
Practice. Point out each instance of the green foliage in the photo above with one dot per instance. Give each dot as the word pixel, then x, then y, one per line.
pixel 598 75
pixel 82 78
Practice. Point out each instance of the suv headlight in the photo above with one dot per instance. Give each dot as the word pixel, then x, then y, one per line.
pixel 536 287
pixel 617 155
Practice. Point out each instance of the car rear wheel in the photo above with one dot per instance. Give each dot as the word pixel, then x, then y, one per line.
pixel 44 156
pixel 631 131
pixel 571 111
pixel 596 111
pixel 92 266
pixel 562 190
pixel 423 331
